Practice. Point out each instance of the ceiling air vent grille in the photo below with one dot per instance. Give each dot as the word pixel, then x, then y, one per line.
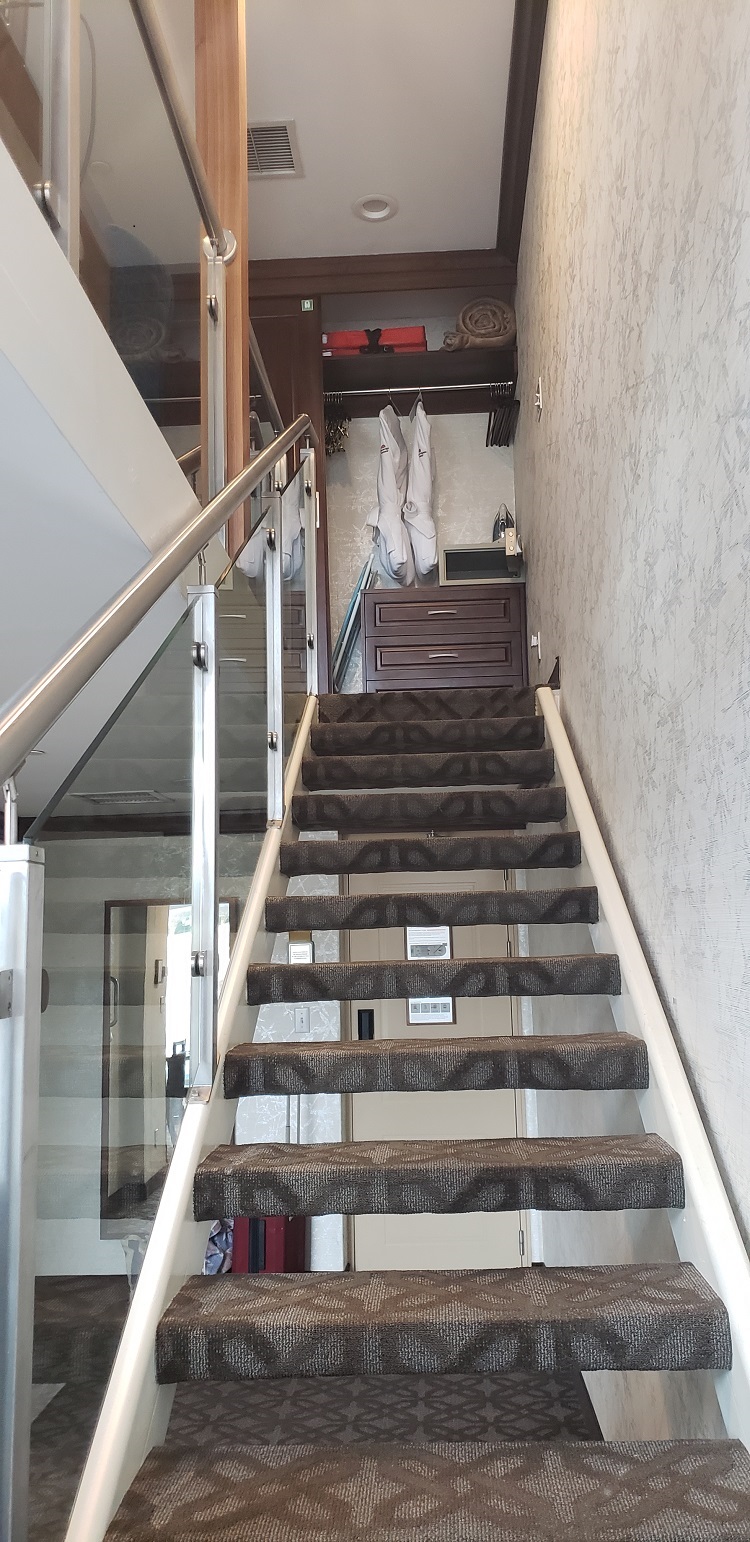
pixel 272 150
pixel 127 795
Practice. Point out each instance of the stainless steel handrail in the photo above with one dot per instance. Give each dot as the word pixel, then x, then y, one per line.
pixel 190 461
pixel 262 373
pixel 38 707
pixel 149 27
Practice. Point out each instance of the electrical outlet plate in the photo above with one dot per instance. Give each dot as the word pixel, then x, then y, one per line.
pixel 302 1022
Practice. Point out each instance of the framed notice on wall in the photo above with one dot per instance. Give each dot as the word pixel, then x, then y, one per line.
pixel 429 942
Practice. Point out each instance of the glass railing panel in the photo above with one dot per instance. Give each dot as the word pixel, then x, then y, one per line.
pixel 140 228
pixel 22 71
pixel 114 1061
pixel 294 609
pixel 243 702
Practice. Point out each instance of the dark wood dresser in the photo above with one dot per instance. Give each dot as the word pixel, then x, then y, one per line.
pixel 455 634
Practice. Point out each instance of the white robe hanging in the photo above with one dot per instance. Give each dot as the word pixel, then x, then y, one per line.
pixel 418 507
pixel 252 558
pixel 292 531
pixel 389 531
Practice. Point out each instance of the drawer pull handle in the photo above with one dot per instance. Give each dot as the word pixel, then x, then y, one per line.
pixel 442 612
pixel 442 655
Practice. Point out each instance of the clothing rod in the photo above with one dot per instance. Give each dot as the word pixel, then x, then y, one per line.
pixel 482 385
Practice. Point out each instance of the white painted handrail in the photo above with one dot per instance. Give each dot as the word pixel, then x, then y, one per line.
pixel 705 1232
pixel 135 1410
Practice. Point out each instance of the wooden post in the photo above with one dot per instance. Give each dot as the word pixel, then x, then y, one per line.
pixel 221 131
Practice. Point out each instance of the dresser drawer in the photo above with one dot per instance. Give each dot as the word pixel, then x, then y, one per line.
pixel 451 616
pixel 451 635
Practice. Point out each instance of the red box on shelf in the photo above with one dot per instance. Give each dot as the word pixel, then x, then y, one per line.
pixel 346 345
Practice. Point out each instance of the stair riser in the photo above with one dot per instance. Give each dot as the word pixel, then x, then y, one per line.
pixel 500 809
pixel 328 1348
pixel 426 737
pixel 613 1069
pixel 497 907
pixel 422 854
pixel 490 768
pixel 587 975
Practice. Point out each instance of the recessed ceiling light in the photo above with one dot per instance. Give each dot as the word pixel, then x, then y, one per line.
pixel 375 207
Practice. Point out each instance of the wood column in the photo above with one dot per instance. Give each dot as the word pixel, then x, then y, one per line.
pixel 221 130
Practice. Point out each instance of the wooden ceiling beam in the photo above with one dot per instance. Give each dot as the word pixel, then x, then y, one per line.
pixel 283 278
pixel 529 21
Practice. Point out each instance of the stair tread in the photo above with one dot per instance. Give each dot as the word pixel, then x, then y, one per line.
pixel 440 1177
pixel 572 1491
pixel 447 768
pixel 596 1061
pixel 426 734
pixel 628 1317
pixel 454 809
pixel 399 979
pixel 502 907
pixel 453 702
pixel 432 854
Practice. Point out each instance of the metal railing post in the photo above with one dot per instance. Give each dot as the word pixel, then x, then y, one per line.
pixel 216 358
pixel 311 570
pixel 59 192
pixel 21 917
pixel 204 841
pixel 275 666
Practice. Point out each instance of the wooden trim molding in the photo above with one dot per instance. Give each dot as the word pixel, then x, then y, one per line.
pixel 221 130
pixel 523 82
pixel 287 278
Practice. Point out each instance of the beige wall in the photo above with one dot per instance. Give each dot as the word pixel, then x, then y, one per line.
pixel 632 490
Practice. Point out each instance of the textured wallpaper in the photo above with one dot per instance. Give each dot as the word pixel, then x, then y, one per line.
pixel 632 489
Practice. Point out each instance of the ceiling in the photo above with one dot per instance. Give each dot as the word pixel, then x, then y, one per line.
pixel 404 100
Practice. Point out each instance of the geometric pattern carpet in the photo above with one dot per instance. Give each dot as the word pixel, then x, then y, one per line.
pixel 685 1492
pixel 635 1317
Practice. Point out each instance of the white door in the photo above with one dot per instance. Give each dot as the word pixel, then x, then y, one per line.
pixel 472 1241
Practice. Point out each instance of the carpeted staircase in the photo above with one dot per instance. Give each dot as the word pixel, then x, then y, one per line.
pixel 478 761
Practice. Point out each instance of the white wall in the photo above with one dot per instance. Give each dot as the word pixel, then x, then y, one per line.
pixel 632 492
pixel 88 486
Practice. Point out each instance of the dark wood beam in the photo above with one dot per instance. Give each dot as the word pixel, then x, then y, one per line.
pixel 523 82
pixel 289 277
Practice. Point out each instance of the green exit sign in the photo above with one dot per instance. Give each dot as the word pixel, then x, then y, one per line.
pixel 307 305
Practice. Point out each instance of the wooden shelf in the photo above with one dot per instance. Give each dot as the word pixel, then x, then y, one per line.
pixel 378 371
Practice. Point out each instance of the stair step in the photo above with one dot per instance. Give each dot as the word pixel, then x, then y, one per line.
pixel 513 1491
pixel 454 768
pixel 434 809
pixel 621 1172
pixel 405 737
pixel 493 907
pixel 409 706
pixel 651 1317
pixel 585 1062
pixel 428 854
pixel 585 974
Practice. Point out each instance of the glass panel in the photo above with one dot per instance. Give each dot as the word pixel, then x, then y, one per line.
pixel 243 699
pixel 294 614
pixel 140 228
pixel 114 1047
pixel 22 84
